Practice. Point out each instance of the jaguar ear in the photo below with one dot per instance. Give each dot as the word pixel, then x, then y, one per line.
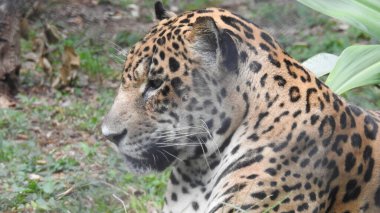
pixel 161 12
pixel 219 44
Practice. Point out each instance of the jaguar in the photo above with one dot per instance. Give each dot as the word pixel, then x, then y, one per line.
pixel 242 125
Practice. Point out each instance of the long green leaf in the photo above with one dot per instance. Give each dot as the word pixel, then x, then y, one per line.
pixel 356 66
pixel 363 14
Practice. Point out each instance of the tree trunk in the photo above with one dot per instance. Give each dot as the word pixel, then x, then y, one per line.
pixel 10 13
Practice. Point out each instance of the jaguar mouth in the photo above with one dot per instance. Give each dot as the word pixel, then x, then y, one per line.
pixel 154 158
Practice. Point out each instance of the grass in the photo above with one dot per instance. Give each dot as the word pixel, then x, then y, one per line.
pixel 52 156
pixel 51 174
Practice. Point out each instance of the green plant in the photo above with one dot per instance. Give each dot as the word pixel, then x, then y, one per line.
pixel 357 65
pixel 363 14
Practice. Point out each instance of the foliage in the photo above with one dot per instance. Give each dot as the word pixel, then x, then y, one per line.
pixel 363 14
pixel 357 65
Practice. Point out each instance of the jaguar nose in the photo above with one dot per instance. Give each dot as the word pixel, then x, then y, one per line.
pixel 116 137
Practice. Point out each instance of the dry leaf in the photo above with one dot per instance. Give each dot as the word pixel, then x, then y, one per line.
pixel 52 33
pixel 41 162
pixel 22 137
pixel 34 177
pixel 46 66
pixel 24 28
pixel 6 102
pixel 70 65
pixel 76 20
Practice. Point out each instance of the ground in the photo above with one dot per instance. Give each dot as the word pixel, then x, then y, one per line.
pixel 52 154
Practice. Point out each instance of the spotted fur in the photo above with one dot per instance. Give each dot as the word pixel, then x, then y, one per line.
pixel 242 124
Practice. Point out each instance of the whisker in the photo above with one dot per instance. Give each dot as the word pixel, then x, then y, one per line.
pixel 163 154
pixel 204 154
pixel 173 145
pixel 178 137
pixel 204 125
pixel 179 134
pixel 172 155
pixel 182 128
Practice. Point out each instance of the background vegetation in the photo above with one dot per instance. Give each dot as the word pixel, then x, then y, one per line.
pixel 52 155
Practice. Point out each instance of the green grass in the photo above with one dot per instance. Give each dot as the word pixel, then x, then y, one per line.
pixel 89 168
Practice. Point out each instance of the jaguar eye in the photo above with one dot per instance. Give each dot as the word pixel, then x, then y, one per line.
pixel 154 84
pixel 151 86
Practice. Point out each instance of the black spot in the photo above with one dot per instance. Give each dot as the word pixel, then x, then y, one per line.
pixel 303 207
pixel 367 153
pixel 225 125
pixel 271 171
pixel 370 127
pixel 352 119
pixel 297 113
pixel 173 64
pixel 328 121
pixel 288 188
pixel 264 47
pixel 260 195
pixel 207 196
pixel 343 120
pixel 162 55
pixel 356 110
pixel 268 39
pixel 235 188
pixel 255 66
pixel 243 56
pixel 356 140
pixel 173 179
pixel 235 149
pixel 254 137
pixel 313 151
pixel 349 162
pixel 277 119
pixel 352 191
pixel 204 11
pixel 248 35
pixel 177 85
pixel 175 45
pixel 308 93
pixel 174 196
pixel 195 205
pixel 314 119
pixel 161 41
pixel 280 79
pixel 251 177
pixel 337 144
pixel 368 172
pixel 263 79
pixel 184 190
pixel 377 197
pixel 332 197
pixel 262 115
pixel 210 123
pixel 312 196
pixel 304 163
pixel 233 22
pixel 274 61
pixel 165 91
pixel 289 68
pixel 294 94
pixel 184 21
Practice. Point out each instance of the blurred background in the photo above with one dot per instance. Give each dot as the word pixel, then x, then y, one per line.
pixel 71 53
